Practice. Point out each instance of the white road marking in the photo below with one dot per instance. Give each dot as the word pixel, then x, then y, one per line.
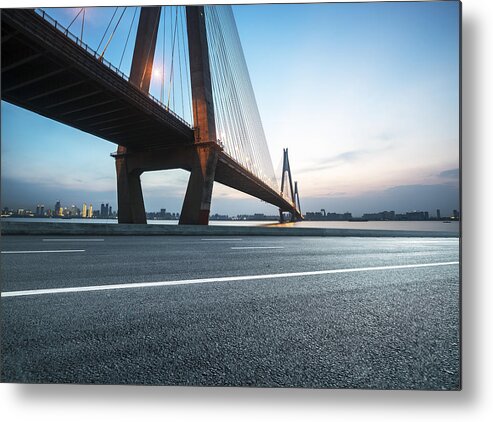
pixel 257 247
pixel 56 251
pixel 214 280
pixel 221 240
pixel 73 240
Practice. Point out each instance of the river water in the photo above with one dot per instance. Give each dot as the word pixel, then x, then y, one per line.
pixel 438 226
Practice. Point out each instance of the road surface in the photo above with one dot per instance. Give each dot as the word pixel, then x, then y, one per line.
pixel 253 311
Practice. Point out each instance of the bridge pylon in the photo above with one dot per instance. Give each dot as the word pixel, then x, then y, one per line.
pixel 287 186
pixel 197 203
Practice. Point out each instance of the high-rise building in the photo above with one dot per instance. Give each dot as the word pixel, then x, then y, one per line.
pixel 74 211
pixel 438 214
pixel 57 208
pixel 105 210
pixel 89 213
pixel 38 209
pixel 110 212
pixel 84 210
pixel 456 214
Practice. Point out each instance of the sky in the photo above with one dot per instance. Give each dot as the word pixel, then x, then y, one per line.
pixel 364 95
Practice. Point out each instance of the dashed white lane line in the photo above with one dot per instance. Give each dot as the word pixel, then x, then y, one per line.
pixel 214 280
pixel 257 247
pixel 55 251
pixel 221 240
pixel 73 240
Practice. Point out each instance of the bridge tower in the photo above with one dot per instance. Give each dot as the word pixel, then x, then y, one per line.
pixel 131 207
pixel 287 186
pixel 297 197
pixel 197 203
pixel 202 160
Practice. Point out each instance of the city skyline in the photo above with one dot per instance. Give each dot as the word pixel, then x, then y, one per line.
pixel 374 87
pixel 107 210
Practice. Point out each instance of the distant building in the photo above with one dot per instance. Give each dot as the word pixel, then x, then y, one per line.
pixel 57 208
pixel 104 211
pixel 89 213
pixel 438 215
pixel 455 215
pixel 219 217
pixel 74 211
pixel 417 216
pixel 380 216
pixel 327 216
pixel 84 210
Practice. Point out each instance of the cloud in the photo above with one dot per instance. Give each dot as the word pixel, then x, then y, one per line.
pixel 450 174
pixel 346 157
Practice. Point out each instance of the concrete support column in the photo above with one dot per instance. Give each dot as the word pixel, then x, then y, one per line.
pixel 197 203
pixel 131 208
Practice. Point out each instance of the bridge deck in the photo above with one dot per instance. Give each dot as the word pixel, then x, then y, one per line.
pixel 47 72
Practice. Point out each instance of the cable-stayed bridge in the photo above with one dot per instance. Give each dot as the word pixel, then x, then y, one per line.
pixel 205 121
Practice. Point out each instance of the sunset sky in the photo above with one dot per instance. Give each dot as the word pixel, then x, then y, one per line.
pixel 364 95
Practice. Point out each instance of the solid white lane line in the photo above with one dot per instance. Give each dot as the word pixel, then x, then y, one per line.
pixel 220 240
pixel 73 240
pixel 213 280
pixel 56 251
pixel 257 247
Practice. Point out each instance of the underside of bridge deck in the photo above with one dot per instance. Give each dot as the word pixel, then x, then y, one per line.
pixel 48 73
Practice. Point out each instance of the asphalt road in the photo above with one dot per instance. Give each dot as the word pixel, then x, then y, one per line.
pixel 297 324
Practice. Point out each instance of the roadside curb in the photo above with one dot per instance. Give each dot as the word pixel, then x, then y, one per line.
pixel 103 229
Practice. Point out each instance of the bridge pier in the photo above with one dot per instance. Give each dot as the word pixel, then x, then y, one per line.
pixel 131 209
pixel 197 203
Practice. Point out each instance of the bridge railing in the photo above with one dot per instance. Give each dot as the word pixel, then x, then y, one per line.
pixel 101 59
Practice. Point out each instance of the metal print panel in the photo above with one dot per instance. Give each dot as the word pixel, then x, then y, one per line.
pixel 232 195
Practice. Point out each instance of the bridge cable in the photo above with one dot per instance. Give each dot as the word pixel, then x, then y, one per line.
pixel 237 115
pixel 180 67
pixel 76 16
pixel 219 79
pixel 82 26
pixel 161 96
pixel 171 76
pixel 128 36
pixel 231 83
pixel 229 107
pixel 187 66
pixel 107 28
pixel 112 34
